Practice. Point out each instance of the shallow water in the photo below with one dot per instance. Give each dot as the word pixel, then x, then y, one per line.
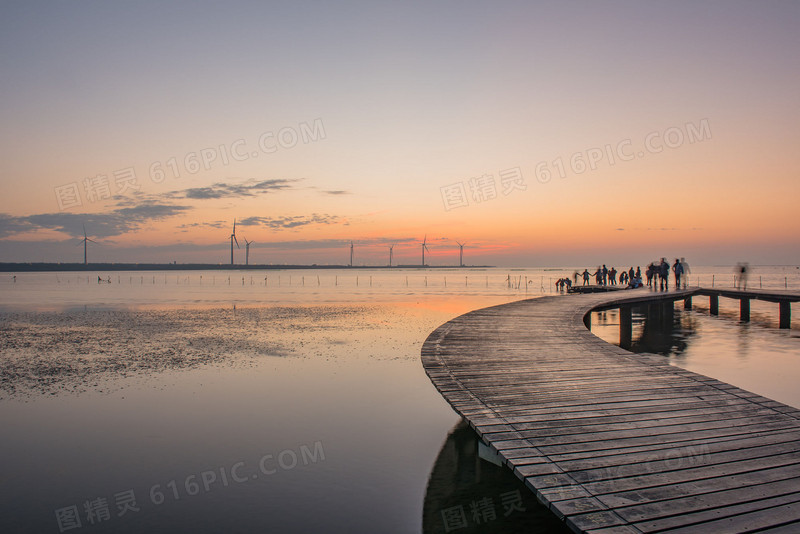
pixel 289 404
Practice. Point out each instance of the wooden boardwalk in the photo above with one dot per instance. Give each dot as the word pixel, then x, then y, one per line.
pixel 615 442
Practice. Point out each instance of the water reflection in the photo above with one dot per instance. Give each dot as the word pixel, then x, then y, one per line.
pixel 653 329
pixel 468 493
pixel 754 355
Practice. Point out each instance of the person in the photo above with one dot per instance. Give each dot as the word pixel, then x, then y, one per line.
pixel 623 277
pixel 575 277
pixel 586 277
pixel 612 276
pixel 664 275
pixel 650 272
pixel 605 275
pixel 742 269
pixel 677 268
pixel 631 274
pixel 598 276
pixel 686 271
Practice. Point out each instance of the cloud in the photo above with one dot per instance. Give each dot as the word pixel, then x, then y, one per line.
pixel 248 188
pixel 279 223
pixel 214 224
pixel 115 222
pixel 336 192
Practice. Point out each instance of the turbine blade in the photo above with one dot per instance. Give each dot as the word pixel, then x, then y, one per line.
pixel 237 241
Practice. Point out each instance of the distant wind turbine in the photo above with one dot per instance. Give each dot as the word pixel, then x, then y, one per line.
pixel 247 250
pixel 85 240
pixel 351 253
pixel 424 248
pixel 391 254
pixel 460 254
pixel 233 238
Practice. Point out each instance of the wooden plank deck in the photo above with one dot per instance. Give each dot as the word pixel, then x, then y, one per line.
pixel 615 442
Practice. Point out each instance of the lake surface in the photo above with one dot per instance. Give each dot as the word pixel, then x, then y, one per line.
pixel 280 401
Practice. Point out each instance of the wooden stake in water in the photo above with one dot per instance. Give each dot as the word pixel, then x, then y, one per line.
pixel 317 279
pixel 445 281
pixel 370 281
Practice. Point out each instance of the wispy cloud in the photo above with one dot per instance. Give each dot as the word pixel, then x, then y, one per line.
pixel 336 192
pixel 248 188
pixel 112 223
pixel 292 221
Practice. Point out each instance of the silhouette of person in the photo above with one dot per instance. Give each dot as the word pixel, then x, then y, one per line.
pixel 742 270
pixel 585 277
pixel 664 274
pixel 677 268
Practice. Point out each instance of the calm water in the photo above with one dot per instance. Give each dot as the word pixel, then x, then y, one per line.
pixel 289 401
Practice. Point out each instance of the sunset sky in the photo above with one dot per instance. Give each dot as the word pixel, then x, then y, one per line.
pixel 558 133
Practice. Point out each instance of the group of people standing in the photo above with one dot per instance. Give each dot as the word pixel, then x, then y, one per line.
pixel 604 276
pixel 661 270
pixel 633 278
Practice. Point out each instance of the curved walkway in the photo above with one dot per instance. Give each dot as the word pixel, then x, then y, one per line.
pixel 615 442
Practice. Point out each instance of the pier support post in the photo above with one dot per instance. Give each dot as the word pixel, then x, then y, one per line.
pixel 785 314
pixel 625 327
pixel 714 303
pixel 587 320
pixel 687 303
pixel 668 312
pixel 744 309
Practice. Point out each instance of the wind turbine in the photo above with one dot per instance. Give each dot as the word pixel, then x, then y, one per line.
pixel 247 250
pixel 351 253
pixel 424 248
pixel 460 254
pixel 233 238
pixel 391 254
pixel 85 240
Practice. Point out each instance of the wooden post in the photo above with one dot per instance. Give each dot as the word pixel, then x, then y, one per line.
pixel 785 314
pixel 687 303
pixel 714 303
pixel 625 327
pixel 744 309
pixel 668 312
pixel 587 320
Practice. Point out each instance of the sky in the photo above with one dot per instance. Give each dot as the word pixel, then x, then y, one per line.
pixel 537 133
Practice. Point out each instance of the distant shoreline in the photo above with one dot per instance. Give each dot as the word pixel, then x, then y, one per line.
pixel 80 267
